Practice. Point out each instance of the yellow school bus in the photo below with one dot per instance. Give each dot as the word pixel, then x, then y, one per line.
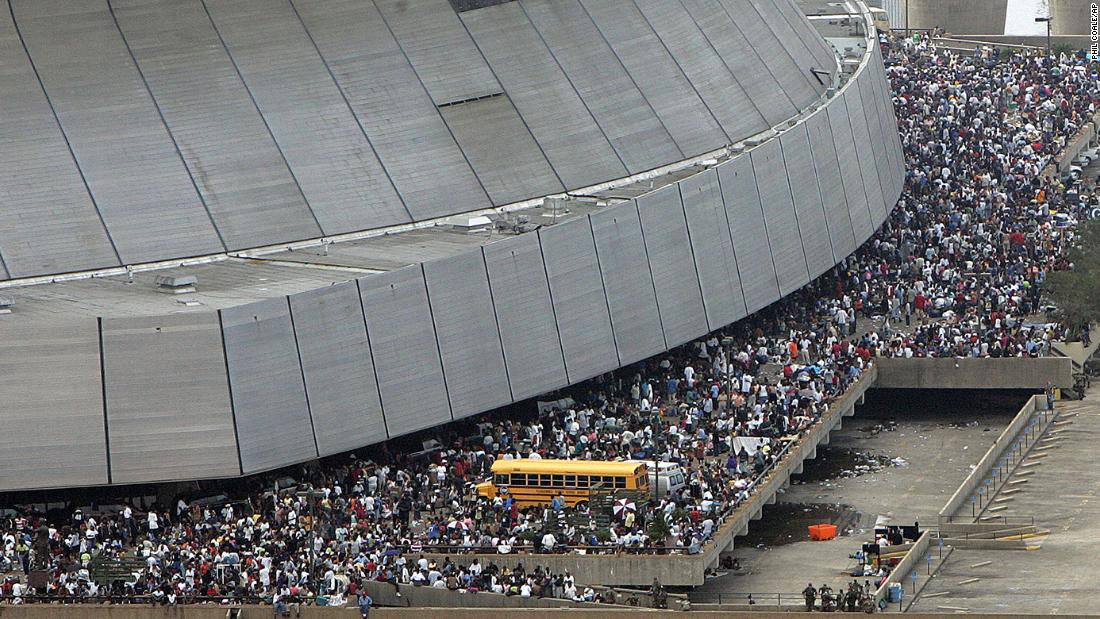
pixel 537 482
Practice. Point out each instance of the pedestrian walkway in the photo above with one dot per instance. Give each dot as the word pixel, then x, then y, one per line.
pixel 1061 491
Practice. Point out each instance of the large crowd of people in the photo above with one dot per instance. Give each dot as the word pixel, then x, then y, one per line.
pixel 956 271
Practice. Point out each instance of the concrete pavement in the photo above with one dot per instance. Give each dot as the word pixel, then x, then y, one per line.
pixel 939 448
pixel 1062 494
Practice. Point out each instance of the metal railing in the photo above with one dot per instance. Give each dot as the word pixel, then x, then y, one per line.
pixel 605 549
pixel 748 599
pixel 992 535
pixel 146 599
pixel 999 462
pixel 1019 521
pixel 980 43
pixel 1009 460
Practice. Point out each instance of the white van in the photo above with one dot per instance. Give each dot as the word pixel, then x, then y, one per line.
pixel 881 19
pixel 667 478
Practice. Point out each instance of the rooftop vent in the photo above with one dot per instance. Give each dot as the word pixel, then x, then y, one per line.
pixel 470 223
pixel 176 284
pixel 555 207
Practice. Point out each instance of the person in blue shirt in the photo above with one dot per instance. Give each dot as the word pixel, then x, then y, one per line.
pixel 365 602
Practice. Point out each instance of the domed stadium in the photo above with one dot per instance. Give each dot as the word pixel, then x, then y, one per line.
pixel 237 235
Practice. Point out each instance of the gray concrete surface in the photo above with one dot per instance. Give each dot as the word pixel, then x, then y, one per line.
pixel 1075 41
pixel 958 16
pixel 1070 16
pixel 938 457
pixel 511 263
pixel 1059 577
pixel 1007 373
pixel 347 116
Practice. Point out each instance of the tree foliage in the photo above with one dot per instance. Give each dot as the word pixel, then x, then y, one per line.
pixel 1075 293
pixel 658 529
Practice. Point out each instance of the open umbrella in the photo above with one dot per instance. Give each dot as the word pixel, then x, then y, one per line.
pixel 621 506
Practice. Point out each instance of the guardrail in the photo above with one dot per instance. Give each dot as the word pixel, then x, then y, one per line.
pixel 388 595
pixel 226 601
pixel 765 600
pixel 992 535
pixel 1021 521
pixel 980 44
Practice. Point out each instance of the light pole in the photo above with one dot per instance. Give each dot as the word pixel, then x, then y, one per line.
pixel 1046 20
pixel 727 343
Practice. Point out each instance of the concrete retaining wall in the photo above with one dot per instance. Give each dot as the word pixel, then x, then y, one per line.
pixel 610 570
pixel 144 611
pixel 1080 140
pixel 968 373
pixel 985 465
pixel 385 594
pixel 916 553
pixel 264 612
pixel 958 16
pixel 1070 16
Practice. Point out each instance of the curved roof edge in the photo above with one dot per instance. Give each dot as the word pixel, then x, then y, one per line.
pixel 124 400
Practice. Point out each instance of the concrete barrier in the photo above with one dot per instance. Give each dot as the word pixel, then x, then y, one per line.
pixel 386 594
pixel 1075 41
pixel 1074 145
pixel 791 464
pixel 1079 142
pixel 970 373
pixel 264 612
pixel 683 569
pixel 956 16
pixel 906 565
pixel 144 611
pixel 985 465
pixel 611 569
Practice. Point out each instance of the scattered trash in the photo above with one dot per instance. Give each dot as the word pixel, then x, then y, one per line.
pixel 886 426
pixel 841 463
